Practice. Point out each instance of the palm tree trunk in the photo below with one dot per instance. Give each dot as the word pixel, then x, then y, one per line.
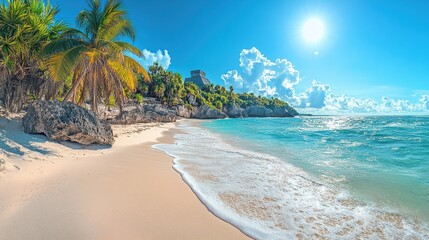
pixel 94 105
pixel 78 76
pixel 70 94
pixel 14 94
pixel 121 109
pixel 72 91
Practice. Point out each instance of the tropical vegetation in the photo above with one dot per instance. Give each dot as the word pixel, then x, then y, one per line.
pixel 42 58
pixel 95 55
pixel 170 89
pixel 26 26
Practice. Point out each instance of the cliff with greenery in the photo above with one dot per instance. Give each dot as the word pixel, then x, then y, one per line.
pixel 170 89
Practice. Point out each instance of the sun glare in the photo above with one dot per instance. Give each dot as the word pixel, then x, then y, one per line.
pixel 313 30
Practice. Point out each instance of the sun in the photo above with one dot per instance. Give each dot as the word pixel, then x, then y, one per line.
pixel 313 30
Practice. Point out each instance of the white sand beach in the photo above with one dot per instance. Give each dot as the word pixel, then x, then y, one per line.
pixel 130 191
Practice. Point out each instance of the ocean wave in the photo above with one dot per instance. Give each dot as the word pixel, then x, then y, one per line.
pixel 270 199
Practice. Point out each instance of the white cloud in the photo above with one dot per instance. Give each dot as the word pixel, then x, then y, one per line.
pixel 315 96
pixel 163 58
pixel 278 78
pixel 351 104
pixel 262 76
pixel 233 78
pixel 425 102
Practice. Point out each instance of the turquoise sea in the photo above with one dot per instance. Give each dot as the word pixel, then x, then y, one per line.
pixel 311 177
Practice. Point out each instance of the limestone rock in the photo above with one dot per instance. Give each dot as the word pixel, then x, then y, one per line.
pixel 205 112
pixel 258 111
pixel 192 100
pixel 66 122
pixel 146 114
pixel 235 112
pixel 282 112
pixel 183 111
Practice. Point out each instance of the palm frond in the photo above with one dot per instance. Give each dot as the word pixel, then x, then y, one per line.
pixel 133 64
pixel 61 45
pixel 120 28
pixel 114 22
pixel 74 34
pixel 125 73
pixel 129 48
pixel 61 64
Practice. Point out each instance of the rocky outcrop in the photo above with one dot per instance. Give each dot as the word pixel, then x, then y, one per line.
pixel 153 111
pixel 235 112
pixel 284 112
pixel 159 109
pixel 183 111
pixel 206 112
pixel 156 112
pixel 259 111
pixel 146 114
pixel 66 122
pixel 135 115
pixel 200 112
pixel 192 100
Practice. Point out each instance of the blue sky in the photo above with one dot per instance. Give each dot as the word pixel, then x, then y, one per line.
pixel 372 50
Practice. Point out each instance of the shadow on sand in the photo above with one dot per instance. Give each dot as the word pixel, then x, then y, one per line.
pixel 13 140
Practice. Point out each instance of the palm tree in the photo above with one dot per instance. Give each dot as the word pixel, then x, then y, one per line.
pixel 217 89
pixel 25 27
pixel 96 57
pixel 231 89
pixel 232 96
pixel 208 88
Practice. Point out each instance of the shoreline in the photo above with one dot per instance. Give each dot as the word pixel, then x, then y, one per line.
pixel 239 186
pixel 106 194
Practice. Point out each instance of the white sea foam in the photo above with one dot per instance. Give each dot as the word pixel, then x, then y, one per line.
pixel 270 199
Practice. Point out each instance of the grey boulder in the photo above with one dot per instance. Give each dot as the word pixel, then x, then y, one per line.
pixel 61 121
pixel 183 111
pixel 146 114
pixel 206 112
pixel 258 111
pixel 235 112
pixel 200 112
